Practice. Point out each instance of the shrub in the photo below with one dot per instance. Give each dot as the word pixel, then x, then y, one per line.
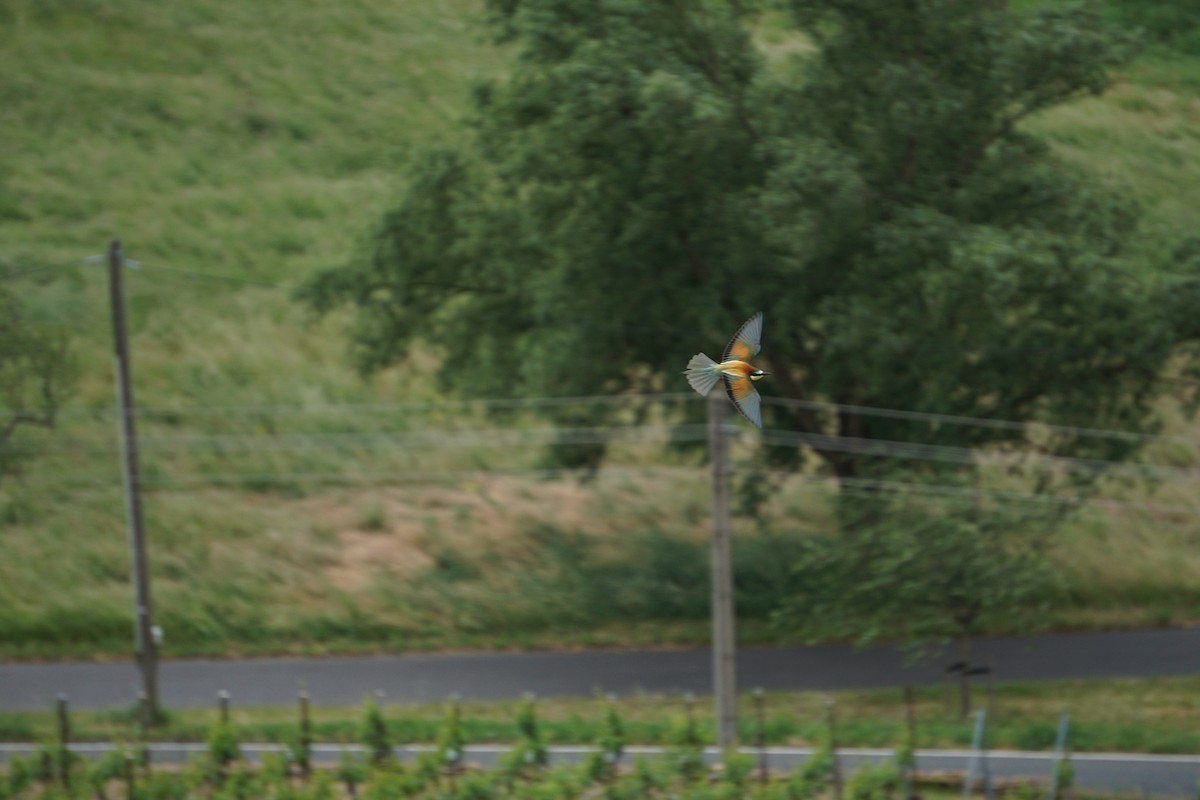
pixel 602 765
pixel 874 782
pixel 351 772
pixel 223 746
pixel 531 749
pixel 375 734
pixel 738 767
pixel 110 767
pixel 816 775
pixel 22 773
pixel 687 755
pixel 450 741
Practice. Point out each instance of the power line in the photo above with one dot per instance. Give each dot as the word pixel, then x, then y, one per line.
pixel 191 482
pixel 4 276
pixel 547 402
pixel 207 276
pixel 936 491
pixel 424 440
pixel 302 409
pixel 553 436
pixel 977 422
pixel 964 455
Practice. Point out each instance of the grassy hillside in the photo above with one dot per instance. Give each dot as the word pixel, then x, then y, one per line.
pixel 293 505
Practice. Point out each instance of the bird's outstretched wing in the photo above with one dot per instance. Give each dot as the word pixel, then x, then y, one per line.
pixel 745 344
pixel 745 397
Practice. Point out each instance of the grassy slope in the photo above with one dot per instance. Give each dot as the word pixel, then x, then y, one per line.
pixel 240 141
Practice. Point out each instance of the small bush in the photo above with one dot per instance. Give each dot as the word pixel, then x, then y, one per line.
pixel 738 767
pixel 814 777
pixel 375 734
pixel 110 767
pixel 223 745
pixel 687 754
pixel 531 748
pixel 611 742
pixel 874 782
pixel 450 741
pixel 351 772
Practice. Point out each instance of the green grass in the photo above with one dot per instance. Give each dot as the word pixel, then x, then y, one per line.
pixel 257 145
pixel 1153 715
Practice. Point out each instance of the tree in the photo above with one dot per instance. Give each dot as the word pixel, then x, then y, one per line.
pixel 922 576
pixel 35 371
pixel 648 175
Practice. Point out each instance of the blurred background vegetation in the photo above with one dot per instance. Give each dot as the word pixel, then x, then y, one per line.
pixel 237 150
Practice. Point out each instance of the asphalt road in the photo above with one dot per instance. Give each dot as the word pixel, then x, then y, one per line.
pixel 491 676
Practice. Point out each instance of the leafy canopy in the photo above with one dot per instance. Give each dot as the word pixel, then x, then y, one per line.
pixel 650 174
pixel 36 369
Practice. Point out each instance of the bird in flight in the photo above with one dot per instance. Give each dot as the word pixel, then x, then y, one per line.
pixel 734 369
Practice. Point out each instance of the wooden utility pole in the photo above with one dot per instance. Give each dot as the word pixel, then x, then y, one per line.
pixel 147 648
pixel 724 677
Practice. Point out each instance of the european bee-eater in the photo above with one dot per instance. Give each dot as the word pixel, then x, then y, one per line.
pixel 735 369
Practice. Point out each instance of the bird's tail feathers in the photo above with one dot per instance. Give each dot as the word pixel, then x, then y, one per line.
pixel 702 373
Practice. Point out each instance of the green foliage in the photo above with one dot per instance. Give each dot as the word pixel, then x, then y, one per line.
pixel 877 202
pixel 451 742
pixel 527 722
pixel 815 776
pixel 530 749
pixel 351 771
pixel 913 244
pixel 612 738
pixel 274 768
pixel 393 782
pixel 878 781
pixel 223 746
pixel 1163 21
pixel 322 786
pixel 236 783
pixel 906 757
pixel 374 734
pixel 294 161
pixel 686 753
pixel 603 764
pixel 922 578
pixel 167 786
pixel 1065 777
pixel 737 768
pixel 37 372
pixel 299 750
pixel 477 787
pixel 917 576
pixel 112 766
pixel 649 776
pixel 21 774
